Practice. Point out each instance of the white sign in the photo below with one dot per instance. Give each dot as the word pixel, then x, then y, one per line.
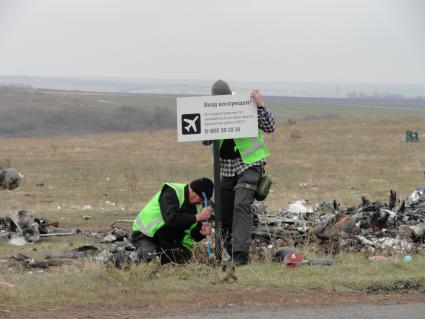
pixel 216 117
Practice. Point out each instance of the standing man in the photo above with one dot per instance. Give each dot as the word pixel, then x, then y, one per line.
pixel 242 162
pixel 172 220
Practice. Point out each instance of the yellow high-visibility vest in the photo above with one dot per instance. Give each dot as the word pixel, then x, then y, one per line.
pixel 150 218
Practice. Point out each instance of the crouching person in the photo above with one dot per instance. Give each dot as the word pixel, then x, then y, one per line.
pixel 171 221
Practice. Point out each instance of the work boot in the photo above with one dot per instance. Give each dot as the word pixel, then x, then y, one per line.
pixel 240 258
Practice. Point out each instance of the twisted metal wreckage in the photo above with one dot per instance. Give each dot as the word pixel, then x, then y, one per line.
pixel 372 226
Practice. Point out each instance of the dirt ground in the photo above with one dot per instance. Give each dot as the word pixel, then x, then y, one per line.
pixel 212 303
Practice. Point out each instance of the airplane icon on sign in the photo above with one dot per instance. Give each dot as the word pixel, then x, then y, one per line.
pixel 191 123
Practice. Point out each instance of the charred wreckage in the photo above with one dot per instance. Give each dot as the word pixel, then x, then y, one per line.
pixel 372 227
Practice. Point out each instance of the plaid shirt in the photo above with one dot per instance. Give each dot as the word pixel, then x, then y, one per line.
pixel 232 167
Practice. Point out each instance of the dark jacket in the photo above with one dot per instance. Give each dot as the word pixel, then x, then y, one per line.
pixel 177 219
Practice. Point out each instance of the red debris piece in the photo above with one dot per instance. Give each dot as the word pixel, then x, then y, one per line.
pixel 291 260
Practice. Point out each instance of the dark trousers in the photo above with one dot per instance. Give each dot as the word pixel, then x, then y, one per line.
pixel 236 213
pixel 148 249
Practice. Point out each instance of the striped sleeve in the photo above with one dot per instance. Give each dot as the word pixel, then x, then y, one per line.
pixel 265 120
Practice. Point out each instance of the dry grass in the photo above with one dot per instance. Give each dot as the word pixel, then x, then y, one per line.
pixel 333 159
pixel 344 159
pixel 121 169
pixel 99 285
pixel 117 173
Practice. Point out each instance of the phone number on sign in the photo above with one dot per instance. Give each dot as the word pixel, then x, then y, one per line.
pixel 222 130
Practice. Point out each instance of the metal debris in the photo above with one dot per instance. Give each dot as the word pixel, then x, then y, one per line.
pixel 58 234
pixel 29 262
pixel 17 241
pixel 10 178
pixel 81 251
pixel 300 207
pixel 109 238
pixel 417 196
pixel 52 259
pixel 20 228
pixel 372 226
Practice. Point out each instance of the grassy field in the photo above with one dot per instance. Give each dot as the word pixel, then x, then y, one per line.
pixel 117 173
pixel 27 112
pixel 342 159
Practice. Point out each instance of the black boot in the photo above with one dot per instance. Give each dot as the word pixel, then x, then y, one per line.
pixel 240 258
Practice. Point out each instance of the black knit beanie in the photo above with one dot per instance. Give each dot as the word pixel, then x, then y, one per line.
pixel 203 185
pixel 220 88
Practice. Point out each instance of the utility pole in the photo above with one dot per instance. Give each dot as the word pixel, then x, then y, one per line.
pixel 217 199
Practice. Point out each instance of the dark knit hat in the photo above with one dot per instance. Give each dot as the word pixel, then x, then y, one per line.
pixel 220 88
pixel 203 185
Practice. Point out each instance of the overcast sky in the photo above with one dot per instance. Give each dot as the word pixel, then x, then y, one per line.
pixel 262 40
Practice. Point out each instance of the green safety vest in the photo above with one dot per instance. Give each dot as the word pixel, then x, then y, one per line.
pixel 150 218
pixel 252 149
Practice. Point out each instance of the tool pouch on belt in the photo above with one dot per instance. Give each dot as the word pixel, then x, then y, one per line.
pixel 261 190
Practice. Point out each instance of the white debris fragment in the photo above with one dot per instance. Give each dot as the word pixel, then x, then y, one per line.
pixel 17 241
pixel 109 238
pixel 365 241
pixel 416 196
pixel 301 206
pixel 107 202
pixel 397 244
pixel 105 255
pixel 419 229
pixel 87 207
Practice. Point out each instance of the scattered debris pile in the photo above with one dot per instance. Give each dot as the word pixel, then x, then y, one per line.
pixel 52 259
pixel 21 228
pixel 120 252
pixel 372 225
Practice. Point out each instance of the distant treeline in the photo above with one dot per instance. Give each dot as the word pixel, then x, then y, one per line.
pixel 38 121
pixel 37 112
pixel 382 96
pixel 31 112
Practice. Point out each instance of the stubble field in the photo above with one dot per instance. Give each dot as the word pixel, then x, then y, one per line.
pixel 341 159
